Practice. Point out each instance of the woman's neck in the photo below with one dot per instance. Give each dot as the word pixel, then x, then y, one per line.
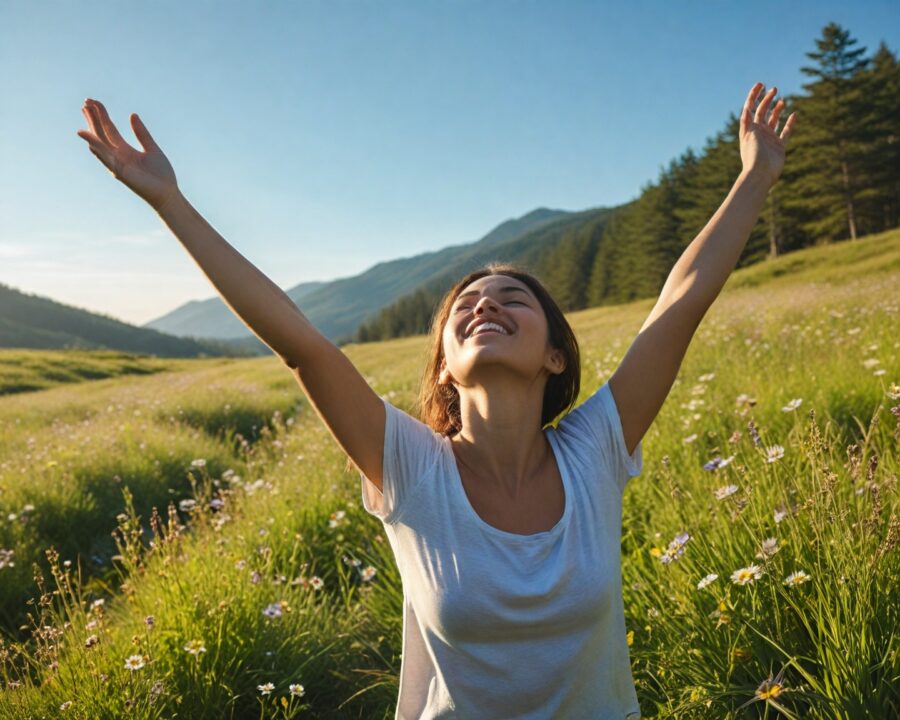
pixel 501 441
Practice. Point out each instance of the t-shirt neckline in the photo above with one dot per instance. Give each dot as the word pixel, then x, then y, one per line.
pixel 460 492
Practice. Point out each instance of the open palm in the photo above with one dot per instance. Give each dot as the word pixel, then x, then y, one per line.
pixel 148 173
pixel 762 148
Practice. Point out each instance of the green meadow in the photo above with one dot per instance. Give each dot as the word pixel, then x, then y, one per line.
pixel 182 538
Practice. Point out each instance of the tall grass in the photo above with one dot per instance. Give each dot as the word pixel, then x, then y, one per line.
pixel 773 461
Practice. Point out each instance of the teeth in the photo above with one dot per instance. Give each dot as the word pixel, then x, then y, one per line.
pixel 489 326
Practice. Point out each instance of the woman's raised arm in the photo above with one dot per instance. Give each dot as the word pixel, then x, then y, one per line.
pixel 353 412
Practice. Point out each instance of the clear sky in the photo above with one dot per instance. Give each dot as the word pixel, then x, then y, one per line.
pixel 320 138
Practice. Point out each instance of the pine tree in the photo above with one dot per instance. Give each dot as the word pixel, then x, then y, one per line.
pixel 828 158
pixel 881 84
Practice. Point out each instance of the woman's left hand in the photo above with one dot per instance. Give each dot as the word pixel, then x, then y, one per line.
pixel 762 147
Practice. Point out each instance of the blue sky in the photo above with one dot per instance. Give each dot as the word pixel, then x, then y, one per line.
pixel 320 138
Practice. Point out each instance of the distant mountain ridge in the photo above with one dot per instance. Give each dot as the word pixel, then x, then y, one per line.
pixel 212 318
pixel 32 321
pixel 337 308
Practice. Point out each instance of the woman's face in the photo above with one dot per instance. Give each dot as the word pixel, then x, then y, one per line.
pixel 521 347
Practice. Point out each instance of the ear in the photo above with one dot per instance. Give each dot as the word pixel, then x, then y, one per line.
pixel 444 376
pixel 556 361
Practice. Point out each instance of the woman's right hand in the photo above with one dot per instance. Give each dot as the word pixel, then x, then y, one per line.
pixel 148 173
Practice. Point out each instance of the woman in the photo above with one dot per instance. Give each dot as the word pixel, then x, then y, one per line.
pixel 506 531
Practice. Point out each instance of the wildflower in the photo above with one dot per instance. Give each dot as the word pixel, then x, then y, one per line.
pixel 265 689
pixel 296 690
pixel 195 647
pixel 720 615
pixel 368 573
pixel 316 582
pixel 217 503
pixel 773 453
pixel 724 492
pixel 149 621
pixel 893 392
pixel 870 362
pixel 66 705
pixel 97 604
pixel 336 518
pixel 134 662
pixel 746 575
pixel 91 641
pixel 273 610
pixel 780 514
pixel 187 505
pixel 769 548
pixel 198 463
pixel 707 377
pixel 689 439
pixel 754 433
pixel 796 578
pixel 13 684
pixel 629 637
pixel 6 558
pixel 718 462
pixel 768 688
pixel 707 580
pixel 675 549
pixel 792 405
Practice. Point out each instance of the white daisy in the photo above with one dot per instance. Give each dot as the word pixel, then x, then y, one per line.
pixel 724 492
pixel 706 581
pixel 134 662
pixel 746 575
pixel 796 578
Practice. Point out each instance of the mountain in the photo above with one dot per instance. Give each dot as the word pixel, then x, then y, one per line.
pixel 560 252
pixel 212 318
pixel 338 307
pixel 31 321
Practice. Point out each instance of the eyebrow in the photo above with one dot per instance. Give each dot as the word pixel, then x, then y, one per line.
pixel 508 289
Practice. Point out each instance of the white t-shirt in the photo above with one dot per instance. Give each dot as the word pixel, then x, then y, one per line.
pixel 500 625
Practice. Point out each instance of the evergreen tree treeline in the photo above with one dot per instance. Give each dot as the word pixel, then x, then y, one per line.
pixel 841 181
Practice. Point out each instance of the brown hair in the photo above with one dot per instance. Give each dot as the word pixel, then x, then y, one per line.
pixel 438 405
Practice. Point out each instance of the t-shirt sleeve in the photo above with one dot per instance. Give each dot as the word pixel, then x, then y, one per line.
pixel 411 450
pixel 598 420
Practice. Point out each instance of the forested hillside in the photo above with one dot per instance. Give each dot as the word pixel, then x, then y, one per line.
pixel 841 180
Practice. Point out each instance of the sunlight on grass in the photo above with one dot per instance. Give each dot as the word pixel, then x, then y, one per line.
pixel 244 579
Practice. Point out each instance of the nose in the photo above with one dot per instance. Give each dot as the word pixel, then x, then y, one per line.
pixel 479 306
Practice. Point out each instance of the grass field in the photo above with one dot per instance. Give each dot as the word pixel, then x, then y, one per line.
pixel 772 466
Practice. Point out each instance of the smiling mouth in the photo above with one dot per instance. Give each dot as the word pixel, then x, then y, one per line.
pixel 488 327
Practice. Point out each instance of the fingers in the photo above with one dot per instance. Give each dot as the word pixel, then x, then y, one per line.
pixel 776 111
pixel 143 135
pixel 763 107
pixel 108 127
pixel 788 128
pixel 100 150
pixel 93 115
pixel 748 103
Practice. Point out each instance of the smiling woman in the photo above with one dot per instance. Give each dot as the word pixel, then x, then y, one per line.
pixel 506 530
